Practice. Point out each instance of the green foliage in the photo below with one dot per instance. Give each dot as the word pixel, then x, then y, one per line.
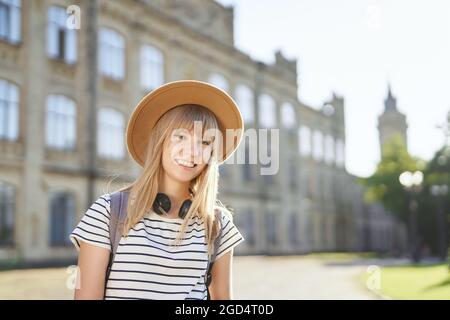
pixel 384 185
pixel 437 172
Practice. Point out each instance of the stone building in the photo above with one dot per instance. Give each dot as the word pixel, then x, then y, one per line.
pixel 71 73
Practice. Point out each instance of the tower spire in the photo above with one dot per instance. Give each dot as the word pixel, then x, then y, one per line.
pixel 390 103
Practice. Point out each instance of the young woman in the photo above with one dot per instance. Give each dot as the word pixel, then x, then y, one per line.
pixel 177 133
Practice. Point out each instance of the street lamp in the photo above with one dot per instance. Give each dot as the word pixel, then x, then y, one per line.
pixel 440 191
pixel 412 183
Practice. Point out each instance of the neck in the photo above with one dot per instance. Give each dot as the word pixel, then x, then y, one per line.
pixel 176 190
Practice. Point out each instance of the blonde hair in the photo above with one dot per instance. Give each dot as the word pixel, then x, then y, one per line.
pixel 143 191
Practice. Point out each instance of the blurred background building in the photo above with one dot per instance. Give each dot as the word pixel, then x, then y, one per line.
pixel 66 95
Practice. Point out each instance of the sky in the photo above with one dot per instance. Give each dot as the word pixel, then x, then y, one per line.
pixel 355 48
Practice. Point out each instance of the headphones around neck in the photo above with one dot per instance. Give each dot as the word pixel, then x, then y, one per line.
pixel 162 205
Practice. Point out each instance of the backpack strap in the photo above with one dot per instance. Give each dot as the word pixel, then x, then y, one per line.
pixel 117 216
pixel 208 276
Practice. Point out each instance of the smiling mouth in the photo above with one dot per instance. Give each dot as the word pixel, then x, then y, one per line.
pixel 186 164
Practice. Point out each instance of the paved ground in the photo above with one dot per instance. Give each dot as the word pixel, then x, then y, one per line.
pixel 262 277
pixel 255 277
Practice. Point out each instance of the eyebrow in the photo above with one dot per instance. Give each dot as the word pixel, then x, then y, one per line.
pixel 207 138
pixel 211 138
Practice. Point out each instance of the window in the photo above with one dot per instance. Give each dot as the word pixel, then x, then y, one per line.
pixel 152 67
pixel 61 123
pixel 244 99
pixel 267 111
pixel 223 171
pixel 7 208
pixel 268 178
pixel 271 228
pixel 9 111
pixel 10 20
pixel 305 141
pixel 340 153
pixel 111 54
pixel 329 149
pixel 248 224
pixel 246 167
pixel 62 217
pixel 317 145
pixel 312 182
pixel 61 41
pixel 293 229
pixel 110 134
pixel 293 179
pixel 219 81
pixel 288 117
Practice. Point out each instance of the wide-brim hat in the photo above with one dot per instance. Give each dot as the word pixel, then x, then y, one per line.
pixel 170 95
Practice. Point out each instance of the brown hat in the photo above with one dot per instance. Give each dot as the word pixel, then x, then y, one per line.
pixel 172 94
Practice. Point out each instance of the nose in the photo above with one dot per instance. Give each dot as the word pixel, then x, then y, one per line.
pixel 196 148
pixel 192 149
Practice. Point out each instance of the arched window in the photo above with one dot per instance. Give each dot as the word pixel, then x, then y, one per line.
pixel 329 149
pixel 317 145
pixel 288 116
pixel 7 213
pixel 304 141
pixel 111 54
pixel 340 153
pixel 247 167
pixel 271 223
pixel 62 217
pixel 61 41
pixel 110 134
pixel 152 67
pixel 293 176
pixel 61 121
pixel 248 224
pixel 9 111
pixel 293 229
pixel 10 17
pixel 219 81
pixel 245 101
pixel 267 111
pixel 224 172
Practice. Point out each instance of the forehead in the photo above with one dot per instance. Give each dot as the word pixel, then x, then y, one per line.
pixel 205 134
pixel 197 129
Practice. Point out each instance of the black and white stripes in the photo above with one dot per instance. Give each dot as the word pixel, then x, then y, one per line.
pixel 146 266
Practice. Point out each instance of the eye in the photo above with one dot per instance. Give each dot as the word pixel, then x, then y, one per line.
pixel 180 136
pixel 206 143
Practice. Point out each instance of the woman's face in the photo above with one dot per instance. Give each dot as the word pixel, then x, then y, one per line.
pixel 186 154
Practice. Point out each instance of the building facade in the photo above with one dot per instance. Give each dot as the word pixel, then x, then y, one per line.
pixel 71 73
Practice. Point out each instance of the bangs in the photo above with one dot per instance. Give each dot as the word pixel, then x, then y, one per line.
pixel 186 115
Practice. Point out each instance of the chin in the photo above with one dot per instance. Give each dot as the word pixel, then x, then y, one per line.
pixel 182 176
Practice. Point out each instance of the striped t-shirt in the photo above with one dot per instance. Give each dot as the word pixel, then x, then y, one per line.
pixel 146 266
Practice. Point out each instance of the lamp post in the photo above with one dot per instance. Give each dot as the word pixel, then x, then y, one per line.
pixel 440 191
pixel 412 183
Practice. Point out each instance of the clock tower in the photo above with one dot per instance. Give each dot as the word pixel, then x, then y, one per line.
pixel 391 122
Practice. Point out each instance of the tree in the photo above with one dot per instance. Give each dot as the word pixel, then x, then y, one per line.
pixel 435 208
pixel 384 185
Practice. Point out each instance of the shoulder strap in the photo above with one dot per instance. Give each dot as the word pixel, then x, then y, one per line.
pixel 208 276
pixel 117 216
pixel 217 240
